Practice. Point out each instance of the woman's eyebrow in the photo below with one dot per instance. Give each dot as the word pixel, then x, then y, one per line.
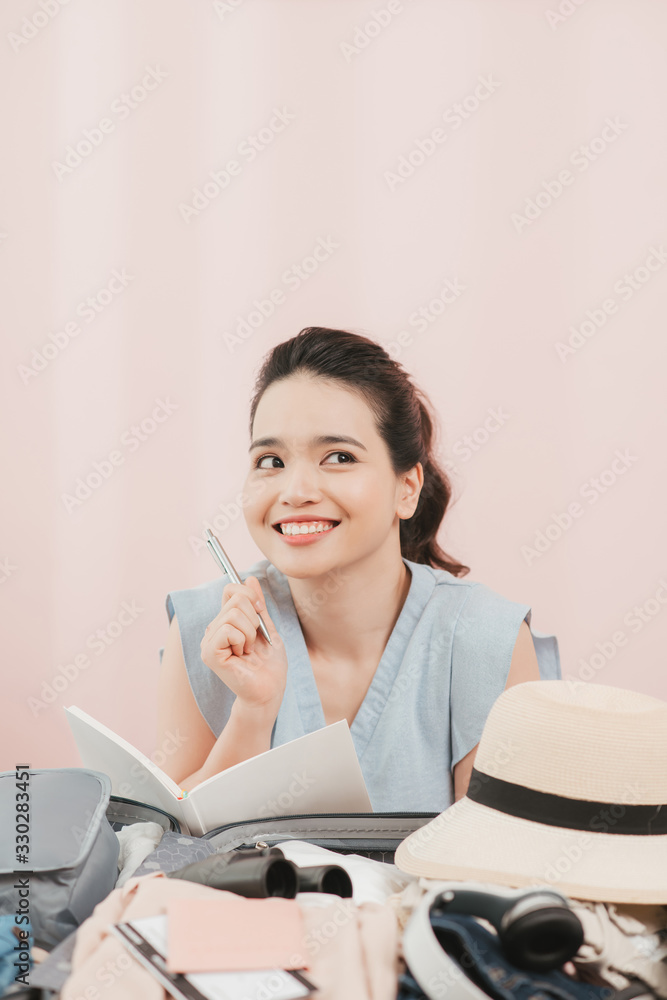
pixel 271 442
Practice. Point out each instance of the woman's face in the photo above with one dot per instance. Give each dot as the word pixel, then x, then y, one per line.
pixel 295 475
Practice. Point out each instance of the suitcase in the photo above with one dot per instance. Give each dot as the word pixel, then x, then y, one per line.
pixel 371 835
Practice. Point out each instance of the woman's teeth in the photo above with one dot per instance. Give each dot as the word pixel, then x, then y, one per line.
pixel 305 527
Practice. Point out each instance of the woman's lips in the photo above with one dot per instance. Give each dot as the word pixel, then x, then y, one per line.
pixel 305 539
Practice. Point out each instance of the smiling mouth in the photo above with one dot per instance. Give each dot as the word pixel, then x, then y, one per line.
pixel 295 528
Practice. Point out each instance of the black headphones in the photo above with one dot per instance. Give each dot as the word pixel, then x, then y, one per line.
pixel 536 928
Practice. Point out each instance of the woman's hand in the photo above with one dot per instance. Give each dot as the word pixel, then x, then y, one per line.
pixel 235 649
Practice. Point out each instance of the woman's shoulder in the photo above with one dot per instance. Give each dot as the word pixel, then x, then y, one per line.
pixel 486 622
pixel 466 593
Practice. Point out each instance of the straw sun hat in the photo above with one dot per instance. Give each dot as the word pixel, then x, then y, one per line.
pixel 569 790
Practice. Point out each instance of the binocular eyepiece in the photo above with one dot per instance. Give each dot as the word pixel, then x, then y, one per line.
pixel 265 872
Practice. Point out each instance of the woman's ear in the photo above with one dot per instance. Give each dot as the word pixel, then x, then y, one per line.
pixel 412 483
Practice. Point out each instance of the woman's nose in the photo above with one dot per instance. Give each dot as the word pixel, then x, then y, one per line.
pixel 299 483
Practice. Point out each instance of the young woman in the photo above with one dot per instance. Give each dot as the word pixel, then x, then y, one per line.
pixel 368 618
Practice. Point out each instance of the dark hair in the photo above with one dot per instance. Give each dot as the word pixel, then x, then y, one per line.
pixel 403 418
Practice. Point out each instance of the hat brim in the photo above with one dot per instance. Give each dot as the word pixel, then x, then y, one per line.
pixel 472 841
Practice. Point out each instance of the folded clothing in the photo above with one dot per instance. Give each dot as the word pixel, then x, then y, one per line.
pixel 373 882
pixel 352 949
pixel 623 942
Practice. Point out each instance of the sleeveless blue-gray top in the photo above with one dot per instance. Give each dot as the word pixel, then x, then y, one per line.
pixel 446 662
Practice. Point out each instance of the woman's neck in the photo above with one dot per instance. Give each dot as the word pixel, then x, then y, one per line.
pixel 349 614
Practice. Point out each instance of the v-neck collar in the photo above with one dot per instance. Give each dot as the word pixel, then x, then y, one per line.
pixel 306 693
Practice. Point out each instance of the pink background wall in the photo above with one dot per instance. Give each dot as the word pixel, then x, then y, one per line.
pixel 355 95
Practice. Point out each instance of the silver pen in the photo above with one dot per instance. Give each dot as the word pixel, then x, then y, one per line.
pixel 225 564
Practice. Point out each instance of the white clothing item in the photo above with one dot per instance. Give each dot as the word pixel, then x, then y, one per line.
pixel 623 940
pixel 372 881
pixel 136 840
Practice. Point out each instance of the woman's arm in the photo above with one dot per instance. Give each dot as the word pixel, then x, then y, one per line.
pixel 192 751
pixel 180 723
pixel 524 667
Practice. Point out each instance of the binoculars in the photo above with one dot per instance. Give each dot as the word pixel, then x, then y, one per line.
pixel 263 872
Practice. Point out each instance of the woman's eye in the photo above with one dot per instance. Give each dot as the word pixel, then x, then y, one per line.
pixel 262 458
pixel 258 464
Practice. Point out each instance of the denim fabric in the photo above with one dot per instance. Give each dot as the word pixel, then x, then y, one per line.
pixel 480 955
pixel 10 948
pixel 446 662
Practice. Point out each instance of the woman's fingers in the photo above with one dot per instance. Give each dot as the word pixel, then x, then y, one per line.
pixel 258 599
pixel 236 628
pixel 260 606
pixel 234 648
pixel 240 601
pixel 223 638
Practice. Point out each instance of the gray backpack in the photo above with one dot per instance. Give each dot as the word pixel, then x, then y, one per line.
pixel 58 851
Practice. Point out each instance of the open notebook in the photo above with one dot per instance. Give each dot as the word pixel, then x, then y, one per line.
pixel 317 773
